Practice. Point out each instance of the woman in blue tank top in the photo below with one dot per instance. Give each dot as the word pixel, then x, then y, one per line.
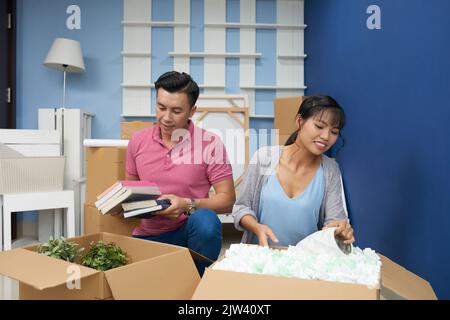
pixel 299 190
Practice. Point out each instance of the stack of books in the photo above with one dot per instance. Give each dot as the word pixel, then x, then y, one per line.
pixel 144 209
pixel 111 200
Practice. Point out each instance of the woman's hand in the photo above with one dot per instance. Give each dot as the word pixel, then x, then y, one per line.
pixel 343 230
pixel 177 206
pixel 263 232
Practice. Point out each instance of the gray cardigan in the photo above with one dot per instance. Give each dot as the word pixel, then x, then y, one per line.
pixel 263 164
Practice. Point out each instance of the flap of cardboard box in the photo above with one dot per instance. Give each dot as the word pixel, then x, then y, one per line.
pixel 169 276
pixel 105 154
pixel 404 283
pixel 228 285
pixel 128 128
pixel 200 258
pixel 38 270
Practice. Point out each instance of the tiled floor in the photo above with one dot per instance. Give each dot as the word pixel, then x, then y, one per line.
pixel 9 287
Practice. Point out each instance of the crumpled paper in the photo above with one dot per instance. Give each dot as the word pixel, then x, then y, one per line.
pixel 315 257
pixel 324 242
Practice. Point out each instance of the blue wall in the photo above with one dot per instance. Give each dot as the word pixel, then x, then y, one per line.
pixel 98 89
pixel 394 85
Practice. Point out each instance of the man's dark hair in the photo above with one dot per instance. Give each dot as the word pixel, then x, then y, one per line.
pixel 173 81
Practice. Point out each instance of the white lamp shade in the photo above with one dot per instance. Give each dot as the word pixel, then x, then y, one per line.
pixel 65 55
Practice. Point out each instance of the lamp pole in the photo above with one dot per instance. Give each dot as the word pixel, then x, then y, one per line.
pixel 64 86
pixel 62 109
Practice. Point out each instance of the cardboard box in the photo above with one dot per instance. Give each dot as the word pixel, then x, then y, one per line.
pixel 95 221
pixel 156 271
pixel 285 110
pixel 104 166
pixel 397 283
pixel 128 128
pixel 31 174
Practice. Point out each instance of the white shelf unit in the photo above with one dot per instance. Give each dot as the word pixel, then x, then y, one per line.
pixel 136 54
pixel 152 115
pixel 273 87
pixel 292 56
pixel 216 54
pixel 261 116
pixel 137 85
pixel 256 25
pixel 255 55
pixel 151 85
pixel 73 125
pixel 155 24
pixel 137 51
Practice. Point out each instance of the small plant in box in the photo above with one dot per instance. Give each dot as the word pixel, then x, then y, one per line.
pixel 104 256
pixel 61 249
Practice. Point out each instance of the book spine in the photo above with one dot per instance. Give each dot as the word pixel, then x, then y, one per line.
pixel 116 202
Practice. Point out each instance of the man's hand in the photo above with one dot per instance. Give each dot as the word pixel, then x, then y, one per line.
pixel 177 206
pixel 343 229
pixel 118 213
pixel 263 232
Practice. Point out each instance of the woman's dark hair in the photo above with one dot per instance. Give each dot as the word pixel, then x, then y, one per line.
pixel 173 81
pixel 315 106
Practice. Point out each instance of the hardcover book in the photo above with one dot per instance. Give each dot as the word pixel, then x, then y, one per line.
pixel 126 191
pixel 148 212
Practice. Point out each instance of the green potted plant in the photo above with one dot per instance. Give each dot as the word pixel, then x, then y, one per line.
pixel 104 256
pixel 61 249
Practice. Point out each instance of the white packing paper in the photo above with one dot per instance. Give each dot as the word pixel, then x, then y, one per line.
pixel 315 257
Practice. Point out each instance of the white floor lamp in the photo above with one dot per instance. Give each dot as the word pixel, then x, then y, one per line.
pixel 65 55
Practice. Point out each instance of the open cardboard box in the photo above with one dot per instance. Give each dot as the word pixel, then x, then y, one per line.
pixel 104 166
pixel 128 128
pixel 396 283
pixel 95 221
pixel 156 271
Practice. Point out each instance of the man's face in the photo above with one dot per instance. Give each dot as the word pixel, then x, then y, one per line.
pixel 172 111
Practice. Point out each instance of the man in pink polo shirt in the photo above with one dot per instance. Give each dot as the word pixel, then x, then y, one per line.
pixel 184 161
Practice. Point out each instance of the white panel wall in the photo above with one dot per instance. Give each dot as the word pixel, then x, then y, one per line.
pixel 290 65
pixel 222 101
pixel 136 39
pixel 214 68
pixel 136 69
pixel 248 45
pixel 136 101
pixel 137 49
pixel 231 133
pixel 137 10
pixel 182 35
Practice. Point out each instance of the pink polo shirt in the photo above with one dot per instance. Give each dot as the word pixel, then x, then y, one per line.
pixel 188 170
